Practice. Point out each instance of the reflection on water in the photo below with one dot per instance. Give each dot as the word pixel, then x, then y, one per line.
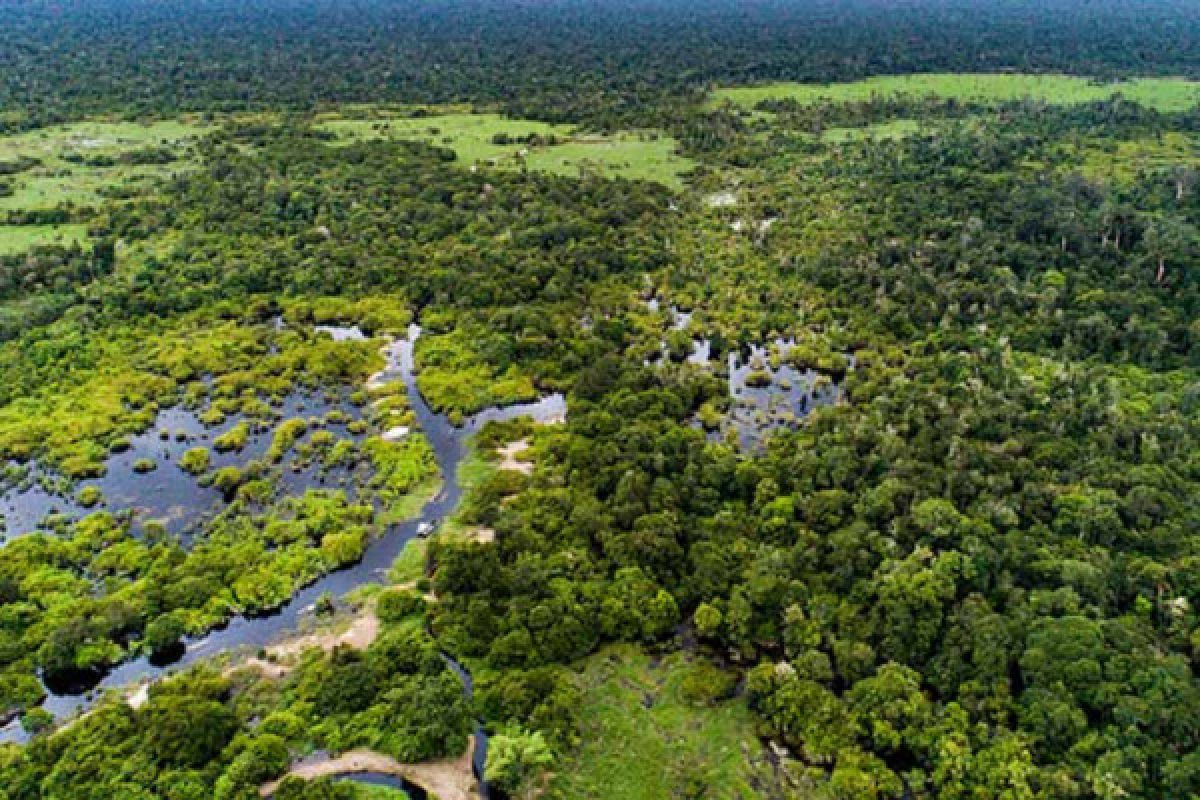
pixel 167 493
pixel 767 397
pixel 767 393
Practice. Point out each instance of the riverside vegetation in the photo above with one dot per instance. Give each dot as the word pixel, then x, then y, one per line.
pixel 879 476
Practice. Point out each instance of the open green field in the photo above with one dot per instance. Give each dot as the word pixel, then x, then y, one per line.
pixel 18 238
pixel 74 165
pixel 1163 94
pixel 73 161
pixel 641 155
pixel 642 737
pixel 893 129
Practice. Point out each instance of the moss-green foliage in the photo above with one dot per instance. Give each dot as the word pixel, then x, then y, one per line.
pixel 246 562
pixel 233 439
pixel 455 377
pixel 373 315
pixel 644 736
pixel 89 496
pixel 404 471
pixel 75 398
pixel 195 460
pixel 286 435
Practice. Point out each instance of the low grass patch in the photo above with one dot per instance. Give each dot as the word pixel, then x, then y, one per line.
pixel 80 164
pixel 883 131
pixel 1163 94
pixel 646 735
pixel 409 567
pixel 19 238
pixel 494 140
pixel 1123 161
pixel 75 163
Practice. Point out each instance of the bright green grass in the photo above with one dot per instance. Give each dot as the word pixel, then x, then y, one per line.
pixel 643 155
pixel 894 129
pixel 79 185
pixel 1164 94
pixel 58 180
pixel 364 791
pixel 19 238
pixel 409 567
pixel 473 470
pixel 97 137
pixel 633 752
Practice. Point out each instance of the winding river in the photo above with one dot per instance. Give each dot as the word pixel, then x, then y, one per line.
pixel 449 444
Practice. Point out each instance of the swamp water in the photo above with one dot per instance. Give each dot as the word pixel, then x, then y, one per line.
pixel 168 494
pixel 767 398
pixel 766 394
pixel 449 444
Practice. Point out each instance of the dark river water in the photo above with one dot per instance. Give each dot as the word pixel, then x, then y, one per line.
pixel 449 445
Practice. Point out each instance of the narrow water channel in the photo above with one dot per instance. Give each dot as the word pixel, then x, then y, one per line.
pixel 449 444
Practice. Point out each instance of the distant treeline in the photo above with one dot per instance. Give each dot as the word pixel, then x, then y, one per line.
pixel 599 60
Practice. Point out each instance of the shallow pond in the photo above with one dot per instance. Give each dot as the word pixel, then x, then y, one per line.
pixel 768 398
pixel 168 493
pixel 764 398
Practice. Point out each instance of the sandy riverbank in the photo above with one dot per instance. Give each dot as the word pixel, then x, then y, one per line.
pixel 451 779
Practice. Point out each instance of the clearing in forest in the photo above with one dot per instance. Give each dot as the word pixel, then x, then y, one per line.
pixel 494 140
pixel 1162 94
pixel 19 238
pixel 660 730
pixel 76 166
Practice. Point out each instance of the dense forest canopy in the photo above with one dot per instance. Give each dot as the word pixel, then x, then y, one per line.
pixel 709 400
pixel 562 59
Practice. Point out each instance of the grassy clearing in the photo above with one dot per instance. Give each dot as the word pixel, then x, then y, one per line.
pixel 98 137
pixel 76 165
pixel 559 149
pixel 1122 162
pixel 893 129
pixel 18 238
pixel 73 160
pixel 1164 94
pixel 643 737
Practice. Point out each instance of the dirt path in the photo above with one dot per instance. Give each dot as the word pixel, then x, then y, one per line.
pixel 362 632
pixel 452 779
